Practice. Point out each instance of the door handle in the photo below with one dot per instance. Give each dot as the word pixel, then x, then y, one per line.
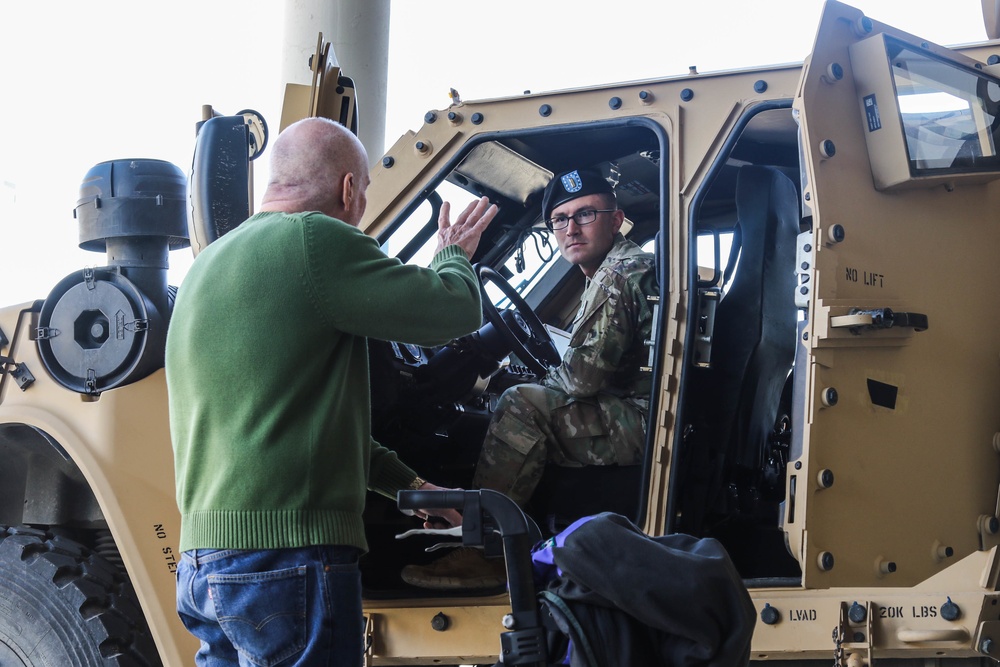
pixel 859 320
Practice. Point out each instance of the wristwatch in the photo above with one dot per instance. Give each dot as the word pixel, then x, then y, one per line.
pixel 416 483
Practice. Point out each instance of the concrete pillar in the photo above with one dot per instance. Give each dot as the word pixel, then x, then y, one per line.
pixel 991 18
pixel 359 32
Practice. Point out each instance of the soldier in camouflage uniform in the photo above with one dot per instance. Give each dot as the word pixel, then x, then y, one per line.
pixel 591 410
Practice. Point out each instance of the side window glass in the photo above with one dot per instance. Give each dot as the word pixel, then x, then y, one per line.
pixel 535 255
pixel 415 239
pixel 714 256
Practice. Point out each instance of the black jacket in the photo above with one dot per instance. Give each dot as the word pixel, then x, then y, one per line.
pixel 624 598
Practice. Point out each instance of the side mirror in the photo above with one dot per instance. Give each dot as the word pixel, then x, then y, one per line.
pixel 221 181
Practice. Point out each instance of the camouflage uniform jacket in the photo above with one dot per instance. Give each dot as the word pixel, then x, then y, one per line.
pixel 610 329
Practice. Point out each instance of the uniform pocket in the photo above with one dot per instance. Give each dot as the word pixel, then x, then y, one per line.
pixel 516 434
pixel 262 613
pixel 587 321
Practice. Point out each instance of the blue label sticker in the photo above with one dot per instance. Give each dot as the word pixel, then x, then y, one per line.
pixel 871 113
pixel 571 182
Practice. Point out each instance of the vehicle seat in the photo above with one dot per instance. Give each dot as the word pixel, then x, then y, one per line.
pixel 753 344
pixel 566 494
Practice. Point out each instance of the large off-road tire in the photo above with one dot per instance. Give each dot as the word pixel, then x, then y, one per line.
pixel 62 605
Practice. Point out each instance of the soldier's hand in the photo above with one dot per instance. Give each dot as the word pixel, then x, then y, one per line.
pixel 468 228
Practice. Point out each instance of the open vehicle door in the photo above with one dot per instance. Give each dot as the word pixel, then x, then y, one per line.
pixel 891 502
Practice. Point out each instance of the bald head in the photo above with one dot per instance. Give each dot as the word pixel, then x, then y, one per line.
pixel 318 165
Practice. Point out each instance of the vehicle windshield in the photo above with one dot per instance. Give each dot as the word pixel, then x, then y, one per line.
pixel 511 174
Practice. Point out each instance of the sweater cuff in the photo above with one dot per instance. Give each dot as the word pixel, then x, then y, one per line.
pixel 392 477
pixel 448 252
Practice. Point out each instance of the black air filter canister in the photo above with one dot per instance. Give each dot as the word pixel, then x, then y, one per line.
pixel 106 327
pixel 136 211
pixel 97 331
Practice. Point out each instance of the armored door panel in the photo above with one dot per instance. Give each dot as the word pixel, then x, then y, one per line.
pixel 894 472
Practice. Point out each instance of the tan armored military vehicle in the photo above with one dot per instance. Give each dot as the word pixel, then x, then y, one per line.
pixel 825 361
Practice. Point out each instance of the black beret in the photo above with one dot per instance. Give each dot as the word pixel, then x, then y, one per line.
pixel 572 185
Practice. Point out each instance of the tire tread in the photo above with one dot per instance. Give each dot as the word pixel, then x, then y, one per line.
pixel 60 574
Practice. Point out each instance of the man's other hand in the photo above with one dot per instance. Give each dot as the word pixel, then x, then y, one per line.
pixel 438 517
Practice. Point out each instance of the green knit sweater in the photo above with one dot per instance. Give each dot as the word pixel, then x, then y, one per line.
pixel 267 373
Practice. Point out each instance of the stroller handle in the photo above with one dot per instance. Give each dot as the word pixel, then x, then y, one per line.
pixel 486 512
pixel 415 500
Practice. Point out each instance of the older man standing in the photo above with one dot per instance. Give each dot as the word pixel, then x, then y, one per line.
pixel 267 371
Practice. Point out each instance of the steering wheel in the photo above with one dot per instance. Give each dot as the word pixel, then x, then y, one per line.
pixel 530 342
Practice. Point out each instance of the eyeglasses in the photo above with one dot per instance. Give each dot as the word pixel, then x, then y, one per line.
pixel 584 217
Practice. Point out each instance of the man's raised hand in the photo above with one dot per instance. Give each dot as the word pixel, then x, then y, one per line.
pixel 468 228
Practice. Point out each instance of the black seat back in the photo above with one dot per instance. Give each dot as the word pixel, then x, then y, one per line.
pixel 735 401
pixel 754 341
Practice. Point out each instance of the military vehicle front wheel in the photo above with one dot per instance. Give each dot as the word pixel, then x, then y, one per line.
pixel 61 604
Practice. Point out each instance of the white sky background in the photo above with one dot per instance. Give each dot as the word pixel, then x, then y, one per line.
pixel 84 82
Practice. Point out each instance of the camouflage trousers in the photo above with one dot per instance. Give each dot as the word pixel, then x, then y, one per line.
pixel 535 425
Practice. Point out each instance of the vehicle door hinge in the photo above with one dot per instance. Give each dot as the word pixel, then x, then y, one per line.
pixel 803 268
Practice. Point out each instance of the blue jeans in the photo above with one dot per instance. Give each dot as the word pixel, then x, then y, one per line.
pixel 275 608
